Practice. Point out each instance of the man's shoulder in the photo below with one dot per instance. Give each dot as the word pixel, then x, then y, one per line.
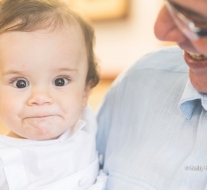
pixel 170 58
pixel 166 60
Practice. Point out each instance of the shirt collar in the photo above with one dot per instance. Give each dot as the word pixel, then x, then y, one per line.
pixel 189 100
pixel 72 132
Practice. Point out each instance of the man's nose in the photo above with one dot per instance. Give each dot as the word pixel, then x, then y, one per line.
pixel 40 96
pixel 165 28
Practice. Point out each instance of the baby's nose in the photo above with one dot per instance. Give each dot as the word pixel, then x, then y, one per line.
pixel 40 97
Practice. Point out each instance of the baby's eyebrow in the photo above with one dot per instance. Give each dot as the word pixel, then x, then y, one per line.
pixel 10 72
pixel 65 69
pixel 16 72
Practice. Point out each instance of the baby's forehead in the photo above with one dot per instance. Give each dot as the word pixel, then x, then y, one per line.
pixel 58 42
pixel 68 31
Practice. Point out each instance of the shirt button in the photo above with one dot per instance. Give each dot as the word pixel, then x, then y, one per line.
pixel 83 182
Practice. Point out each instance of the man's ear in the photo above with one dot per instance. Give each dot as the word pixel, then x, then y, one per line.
pixel 87 90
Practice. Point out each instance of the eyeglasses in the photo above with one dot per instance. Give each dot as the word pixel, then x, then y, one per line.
pixel 184 24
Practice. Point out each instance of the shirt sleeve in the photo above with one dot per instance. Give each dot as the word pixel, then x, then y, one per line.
pixel 100 182
pixel 3 181
pixel 106 114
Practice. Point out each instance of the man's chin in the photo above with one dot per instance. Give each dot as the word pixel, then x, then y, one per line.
pixel 198 82
pixel 197 70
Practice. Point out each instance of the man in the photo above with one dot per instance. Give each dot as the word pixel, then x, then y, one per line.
pixel 153 121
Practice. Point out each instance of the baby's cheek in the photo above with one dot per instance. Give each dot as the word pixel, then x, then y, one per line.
pixel 73 111
pixel 6 110
pixel 70 102
pixel 10 120
pixel 3 113
pixel 9 101
pixel 10 112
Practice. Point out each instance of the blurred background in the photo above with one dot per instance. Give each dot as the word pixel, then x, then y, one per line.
pixel 121 42
pixel 124 30
pixel 124 33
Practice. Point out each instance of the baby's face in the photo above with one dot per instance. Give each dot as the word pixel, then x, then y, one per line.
pixel 42 81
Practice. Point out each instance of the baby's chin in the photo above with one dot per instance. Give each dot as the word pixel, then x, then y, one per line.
pixel 35 135
pixel 39 128
pixel 42 137
pixel 42 132
pixel 43 128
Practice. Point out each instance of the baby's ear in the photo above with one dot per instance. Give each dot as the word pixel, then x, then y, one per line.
pixel 89 85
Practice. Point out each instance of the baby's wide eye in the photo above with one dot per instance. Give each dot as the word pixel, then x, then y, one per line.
pixel 61 81
pixel 21 83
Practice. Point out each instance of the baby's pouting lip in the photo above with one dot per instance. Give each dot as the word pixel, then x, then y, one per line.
pixel 39 115
pixel 40 118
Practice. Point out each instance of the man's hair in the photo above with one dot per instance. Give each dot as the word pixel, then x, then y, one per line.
pixel 31 15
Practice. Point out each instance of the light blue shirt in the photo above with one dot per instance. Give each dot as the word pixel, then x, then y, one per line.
pixel 153 127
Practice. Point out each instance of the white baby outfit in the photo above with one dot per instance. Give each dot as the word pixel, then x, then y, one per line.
pixel 67 163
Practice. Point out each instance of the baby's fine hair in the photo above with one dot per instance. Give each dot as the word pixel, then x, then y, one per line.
pixel 32 15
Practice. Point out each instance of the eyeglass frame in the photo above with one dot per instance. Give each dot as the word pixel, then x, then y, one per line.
pixel 184 24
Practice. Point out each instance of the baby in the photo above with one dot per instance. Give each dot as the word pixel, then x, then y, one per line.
pixel 47 69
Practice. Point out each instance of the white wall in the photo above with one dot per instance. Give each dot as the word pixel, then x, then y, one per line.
pixel 120 43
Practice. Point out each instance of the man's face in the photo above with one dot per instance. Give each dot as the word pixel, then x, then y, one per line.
pixel 167 30
pixel 42 81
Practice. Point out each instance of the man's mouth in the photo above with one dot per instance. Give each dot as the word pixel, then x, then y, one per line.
pixel 195 60
pixel 197 56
